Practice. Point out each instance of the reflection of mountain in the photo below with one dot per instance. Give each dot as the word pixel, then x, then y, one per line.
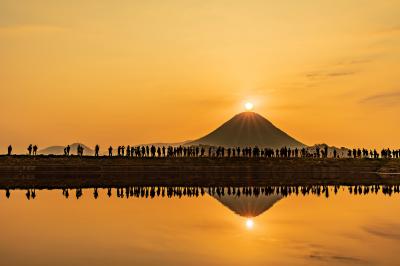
pixel 248 206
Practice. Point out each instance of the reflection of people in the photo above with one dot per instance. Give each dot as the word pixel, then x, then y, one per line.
pixel 66 193
pixel 78 193
pixel 228 194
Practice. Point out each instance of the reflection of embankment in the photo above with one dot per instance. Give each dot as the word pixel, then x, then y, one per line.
pixel 123 179
pixel 248 206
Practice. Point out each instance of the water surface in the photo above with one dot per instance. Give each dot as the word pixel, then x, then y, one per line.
pixel 343 229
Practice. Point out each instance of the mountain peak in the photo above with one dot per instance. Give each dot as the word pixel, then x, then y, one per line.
pixel 248 129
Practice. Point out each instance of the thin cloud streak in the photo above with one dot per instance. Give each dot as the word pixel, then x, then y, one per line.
pixel 385 231
pixel 337 258
pixel 387 97
pixel 322 75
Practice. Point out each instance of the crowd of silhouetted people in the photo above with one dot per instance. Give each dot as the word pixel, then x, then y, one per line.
pixel 246 152
pixel 179 192
pixel 222 152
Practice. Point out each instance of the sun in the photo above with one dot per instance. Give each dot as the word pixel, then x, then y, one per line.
pixel 249 106
pixel 249 223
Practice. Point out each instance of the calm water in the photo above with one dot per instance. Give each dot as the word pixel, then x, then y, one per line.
pixel 344 229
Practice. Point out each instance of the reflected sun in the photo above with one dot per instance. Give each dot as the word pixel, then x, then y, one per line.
pixel 249 106
pixel 249 224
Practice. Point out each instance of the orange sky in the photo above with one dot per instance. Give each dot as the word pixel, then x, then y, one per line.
pixel 132 72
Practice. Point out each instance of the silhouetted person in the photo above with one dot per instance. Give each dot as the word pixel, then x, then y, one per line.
pixel 35 148
pixel 68 149
pixel 80 150
pixel 110 150
pixel 9 150
pixel 317 152
pixel 96 150
pixel 30 149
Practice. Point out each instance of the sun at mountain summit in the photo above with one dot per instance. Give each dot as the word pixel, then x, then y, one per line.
pixel 249 106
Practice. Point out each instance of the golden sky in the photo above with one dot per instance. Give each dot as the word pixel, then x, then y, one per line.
pixel 129 72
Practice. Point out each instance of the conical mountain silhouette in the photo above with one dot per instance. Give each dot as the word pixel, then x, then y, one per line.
pixel 248 206
pixel 248 129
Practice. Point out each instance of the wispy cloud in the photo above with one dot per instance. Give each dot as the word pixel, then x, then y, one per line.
pixel 357 60
pixel 341 67
pixel 384 231
pixel 337 69
pixel 382 98
pixel 337 258
pixel 328 74
pixel 339 74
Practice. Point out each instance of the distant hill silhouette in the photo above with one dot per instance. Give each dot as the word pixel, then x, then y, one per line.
pixel 341 152
pixel 248 206
pixel 248 129
pixel 59 150
pixel 165 144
